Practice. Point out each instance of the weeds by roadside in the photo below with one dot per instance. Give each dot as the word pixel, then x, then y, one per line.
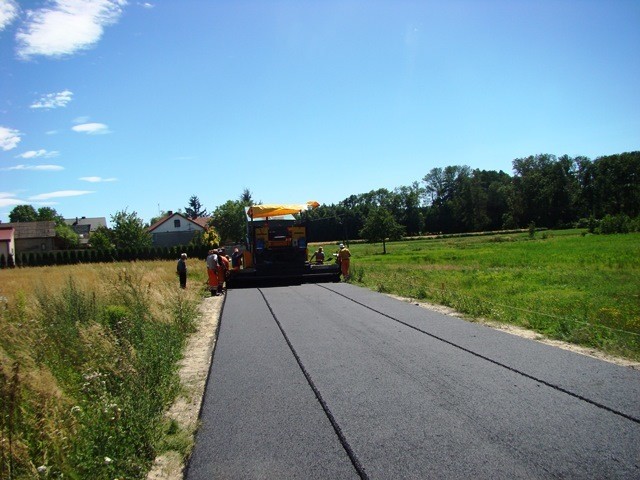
pixel 87 370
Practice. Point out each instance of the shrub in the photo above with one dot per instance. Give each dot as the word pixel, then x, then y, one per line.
pixel 614 224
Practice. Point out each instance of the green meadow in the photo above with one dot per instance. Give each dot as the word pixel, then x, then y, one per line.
pixel 566 285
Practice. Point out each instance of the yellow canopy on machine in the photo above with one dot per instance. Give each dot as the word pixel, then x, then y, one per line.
pixel 275 210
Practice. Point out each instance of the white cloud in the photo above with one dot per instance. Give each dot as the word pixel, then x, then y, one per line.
pixel 66 26
pixel 38 154
pixel 53 100
pixel 146 5
pixel 10 201
pixel 8 13
pixel 9 138
pixel 50 168
pixel 91 128
pixel 98 179
pixel 60 194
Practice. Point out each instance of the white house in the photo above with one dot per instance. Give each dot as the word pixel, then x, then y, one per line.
pixel 175 229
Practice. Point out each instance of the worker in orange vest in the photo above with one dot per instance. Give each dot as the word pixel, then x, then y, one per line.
pixel 344 256
pixel 223 269
pixel 212 272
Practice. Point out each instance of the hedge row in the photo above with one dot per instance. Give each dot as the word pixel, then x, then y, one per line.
pixel 70 257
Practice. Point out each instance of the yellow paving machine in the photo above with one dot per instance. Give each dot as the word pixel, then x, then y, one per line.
pixel 276 248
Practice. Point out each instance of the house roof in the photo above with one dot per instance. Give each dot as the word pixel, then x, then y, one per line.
pixel 6 234
pixel 23 230
pixel 200 221
pixel 92 222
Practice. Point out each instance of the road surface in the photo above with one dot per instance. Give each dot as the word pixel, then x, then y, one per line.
pixel 334 381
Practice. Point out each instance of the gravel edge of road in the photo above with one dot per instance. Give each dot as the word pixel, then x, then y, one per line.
pixel 524 333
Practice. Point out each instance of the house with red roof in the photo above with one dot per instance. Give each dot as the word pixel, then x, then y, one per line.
pixel 176 229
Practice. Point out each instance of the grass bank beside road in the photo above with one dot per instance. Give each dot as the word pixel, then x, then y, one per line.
pixel 88 366
pixel 583 289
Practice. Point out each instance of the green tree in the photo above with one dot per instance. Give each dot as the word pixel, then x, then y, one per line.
pixel 209 238
pixel 195 209
pixel 617 185
pixel 381 225
pixel 545 189
pixel 48 214
pixel 66 236
pixel 101 239
pixel 410 214
pixel 229 221
pixel 23 213
pixel 246 198
pixel 129 231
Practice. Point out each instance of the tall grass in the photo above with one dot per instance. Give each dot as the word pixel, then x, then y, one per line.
pixel 88 365
pixel 566 285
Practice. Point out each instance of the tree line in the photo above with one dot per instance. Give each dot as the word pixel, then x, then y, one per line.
pixel 544 190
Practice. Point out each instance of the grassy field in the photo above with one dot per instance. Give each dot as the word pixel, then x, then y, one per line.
pixel 566 285
pixel 88 366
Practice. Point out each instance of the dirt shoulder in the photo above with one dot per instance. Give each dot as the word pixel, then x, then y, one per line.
pixel 194 369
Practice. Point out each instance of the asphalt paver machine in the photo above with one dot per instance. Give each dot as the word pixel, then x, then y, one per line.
pixel 277 248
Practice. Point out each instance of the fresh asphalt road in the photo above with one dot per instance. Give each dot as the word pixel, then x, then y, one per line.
pixel 335 381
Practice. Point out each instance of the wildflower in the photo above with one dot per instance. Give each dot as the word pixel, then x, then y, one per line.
pixel 42 469
pixel 76 409
pixel 107 461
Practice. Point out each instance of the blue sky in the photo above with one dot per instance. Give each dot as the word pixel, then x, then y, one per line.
pixel 108 105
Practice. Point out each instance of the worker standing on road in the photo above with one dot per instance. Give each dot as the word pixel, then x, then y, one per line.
pixel 318 255
pixel 223 269
pixel 212 272
pixel 344 256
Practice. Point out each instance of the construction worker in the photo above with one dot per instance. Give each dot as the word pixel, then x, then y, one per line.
pixel 212 272
pixel 344 256
pixel 318 255
pixel 223 268
pixel 236 259
pixel 182 270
